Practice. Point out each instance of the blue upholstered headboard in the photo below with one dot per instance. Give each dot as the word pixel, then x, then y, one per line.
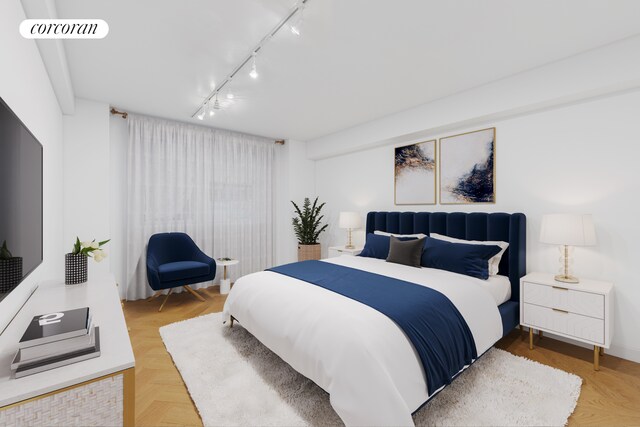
pixel 506 227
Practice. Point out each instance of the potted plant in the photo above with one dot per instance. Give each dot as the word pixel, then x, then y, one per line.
pixel 10 269
pixel 307 228
pixel 75 262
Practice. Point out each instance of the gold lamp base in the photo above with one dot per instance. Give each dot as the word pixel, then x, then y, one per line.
pixel 566 279
pixel 349 244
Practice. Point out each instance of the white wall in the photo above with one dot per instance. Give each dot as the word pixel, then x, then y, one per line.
pixel 25 87
pixel 580 158
pixel 293 180
pixel 118 137
pixel 87 178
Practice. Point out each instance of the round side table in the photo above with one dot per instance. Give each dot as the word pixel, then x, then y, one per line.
pixel 225 282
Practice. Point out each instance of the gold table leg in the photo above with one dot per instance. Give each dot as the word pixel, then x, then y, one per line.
pixel 530 338
pixel 596 358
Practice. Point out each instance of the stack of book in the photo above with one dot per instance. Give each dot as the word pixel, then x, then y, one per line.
pixel 56 339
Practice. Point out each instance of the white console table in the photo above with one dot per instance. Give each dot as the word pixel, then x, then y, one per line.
pixel 98 391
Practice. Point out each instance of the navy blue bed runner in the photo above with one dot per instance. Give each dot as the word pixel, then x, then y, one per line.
pixel 432 323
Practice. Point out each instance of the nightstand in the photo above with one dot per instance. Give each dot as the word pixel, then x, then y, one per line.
pixel 580 311
pixel 335 251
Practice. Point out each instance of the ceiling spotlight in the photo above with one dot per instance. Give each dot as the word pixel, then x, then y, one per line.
pixel 216 104
pixel 212 113
pixel 200 116
pixel 254 71
pixel 297 20
pixel 230 95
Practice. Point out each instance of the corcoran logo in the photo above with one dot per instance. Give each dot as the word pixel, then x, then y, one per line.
pixel 64 28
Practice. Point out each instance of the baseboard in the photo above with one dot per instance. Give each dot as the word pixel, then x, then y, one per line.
pixel 631 354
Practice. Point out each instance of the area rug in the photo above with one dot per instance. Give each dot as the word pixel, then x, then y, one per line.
pixel 234 380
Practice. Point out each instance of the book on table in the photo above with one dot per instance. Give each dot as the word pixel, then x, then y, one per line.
pixel 46 328
pixel 56 339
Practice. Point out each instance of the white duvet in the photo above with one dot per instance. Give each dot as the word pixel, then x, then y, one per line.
pixel 355 353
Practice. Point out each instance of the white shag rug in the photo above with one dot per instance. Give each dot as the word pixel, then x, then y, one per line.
pixel 234 380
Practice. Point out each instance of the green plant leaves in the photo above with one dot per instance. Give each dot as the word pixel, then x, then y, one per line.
pixel 4 251
pixel 306 225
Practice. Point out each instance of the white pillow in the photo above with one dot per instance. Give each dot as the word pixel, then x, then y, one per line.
pixel 494 263
pixel 384 233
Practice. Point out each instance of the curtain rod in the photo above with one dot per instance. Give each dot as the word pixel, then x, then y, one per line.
pixel 124 115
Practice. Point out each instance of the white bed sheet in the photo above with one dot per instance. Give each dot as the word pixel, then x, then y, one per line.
pixel 498 286
pixel 355 353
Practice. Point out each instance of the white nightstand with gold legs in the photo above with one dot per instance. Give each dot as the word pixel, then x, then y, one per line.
pixel 580 311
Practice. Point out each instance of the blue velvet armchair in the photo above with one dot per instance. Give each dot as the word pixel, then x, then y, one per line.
pixel 174 260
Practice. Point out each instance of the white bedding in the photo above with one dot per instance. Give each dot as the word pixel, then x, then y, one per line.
pixel 355 353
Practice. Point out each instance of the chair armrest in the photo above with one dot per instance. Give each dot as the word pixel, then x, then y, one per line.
pixel 200 256
pixel 153 276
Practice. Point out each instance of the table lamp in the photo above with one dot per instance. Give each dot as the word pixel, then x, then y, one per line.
pixel 350 221
pixel 567 230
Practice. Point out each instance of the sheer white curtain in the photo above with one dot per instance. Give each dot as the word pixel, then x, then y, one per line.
pixel 212 184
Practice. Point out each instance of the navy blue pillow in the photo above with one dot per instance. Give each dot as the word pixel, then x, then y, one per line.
pixel 463 258
pixel 377 246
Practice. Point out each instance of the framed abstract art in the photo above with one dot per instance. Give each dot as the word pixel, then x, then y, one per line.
pixel 467 168
pixel 415 174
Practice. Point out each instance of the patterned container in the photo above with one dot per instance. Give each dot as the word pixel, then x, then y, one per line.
pixel 308 252
pixel 75 269
pixel 10 273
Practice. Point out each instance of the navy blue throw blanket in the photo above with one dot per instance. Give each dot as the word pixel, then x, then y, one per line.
pixel 432 323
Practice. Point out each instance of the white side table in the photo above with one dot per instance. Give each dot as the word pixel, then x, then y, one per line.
pixel 580 311
pixel 225 282
pixel 335 251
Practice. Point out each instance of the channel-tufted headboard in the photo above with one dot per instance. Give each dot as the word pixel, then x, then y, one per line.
pixel 506 227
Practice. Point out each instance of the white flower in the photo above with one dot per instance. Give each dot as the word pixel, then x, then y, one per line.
pixel 95 245
pixel 99 255
pixel 86 244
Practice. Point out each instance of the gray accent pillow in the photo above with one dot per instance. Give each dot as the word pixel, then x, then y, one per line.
pixel 407 252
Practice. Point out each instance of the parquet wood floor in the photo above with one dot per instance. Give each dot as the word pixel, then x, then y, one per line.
pixel 610 397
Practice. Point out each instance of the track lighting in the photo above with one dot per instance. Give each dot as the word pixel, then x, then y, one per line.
pixel 292 20
pixel 297 20
pixel 254 71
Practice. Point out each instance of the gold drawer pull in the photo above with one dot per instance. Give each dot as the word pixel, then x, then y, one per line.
pixel 560 288
pixel 560 311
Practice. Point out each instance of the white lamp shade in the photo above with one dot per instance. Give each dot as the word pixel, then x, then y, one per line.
pixel 568 229
pixel 350 220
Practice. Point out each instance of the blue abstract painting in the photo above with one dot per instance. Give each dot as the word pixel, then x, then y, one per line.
pixel 467 168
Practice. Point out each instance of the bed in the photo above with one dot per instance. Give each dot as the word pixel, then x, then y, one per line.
pixel 362 358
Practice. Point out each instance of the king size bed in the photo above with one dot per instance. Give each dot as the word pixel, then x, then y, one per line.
pixel 383 338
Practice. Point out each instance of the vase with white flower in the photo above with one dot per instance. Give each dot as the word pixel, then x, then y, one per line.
pixel 75 262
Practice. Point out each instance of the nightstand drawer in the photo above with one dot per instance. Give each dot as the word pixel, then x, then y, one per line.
pixel 571 324
pixel 579 302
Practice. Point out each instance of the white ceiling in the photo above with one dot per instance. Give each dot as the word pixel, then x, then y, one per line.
pixel 355 60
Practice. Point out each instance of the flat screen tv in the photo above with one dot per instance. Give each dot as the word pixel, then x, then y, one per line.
pixel 20 201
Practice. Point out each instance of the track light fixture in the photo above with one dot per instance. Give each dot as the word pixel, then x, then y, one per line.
pixel 254 71
pixel 297 19
pixel 292 20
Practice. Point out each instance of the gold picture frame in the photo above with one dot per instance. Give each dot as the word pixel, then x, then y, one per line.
pixel 414 164
pixel 467 168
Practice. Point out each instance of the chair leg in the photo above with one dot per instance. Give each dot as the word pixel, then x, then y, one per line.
pixel 192 292
pixel 165 299
pixel 154 296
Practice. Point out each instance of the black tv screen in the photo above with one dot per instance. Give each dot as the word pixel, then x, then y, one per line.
pixel 20 201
